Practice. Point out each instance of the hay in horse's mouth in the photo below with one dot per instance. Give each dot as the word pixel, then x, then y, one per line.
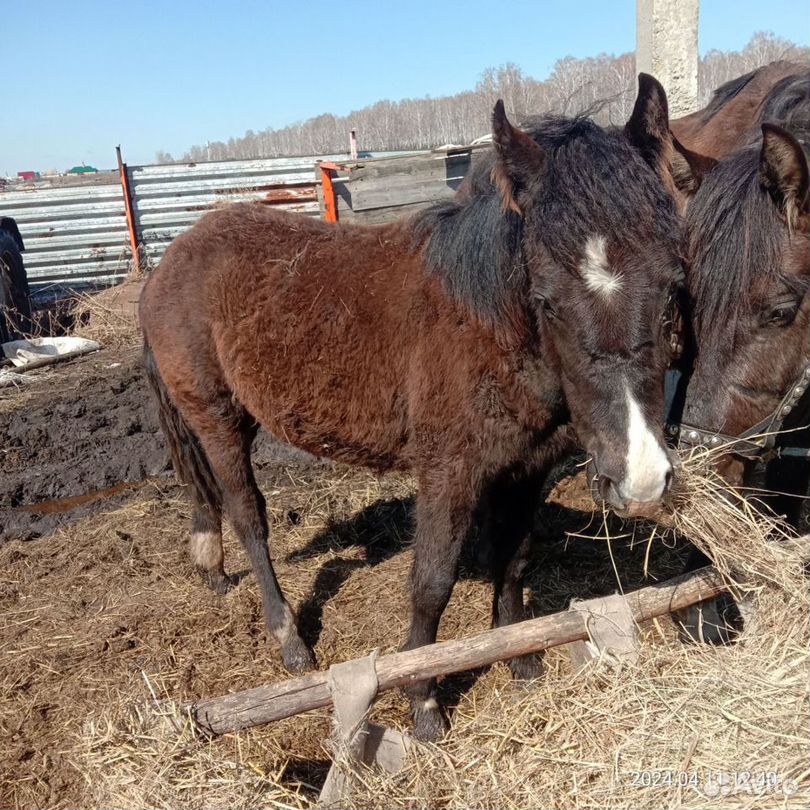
pixel 748 543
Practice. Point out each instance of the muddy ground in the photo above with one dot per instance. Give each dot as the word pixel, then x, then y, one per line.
pixel 98 600
pixel 84 429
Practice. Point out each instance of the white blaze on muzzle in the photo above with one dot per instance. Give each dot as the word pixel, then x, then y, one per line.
pixel 647 465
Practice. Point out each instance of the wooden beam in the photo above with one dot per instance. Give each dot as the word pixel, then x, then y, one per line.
pixel 264 704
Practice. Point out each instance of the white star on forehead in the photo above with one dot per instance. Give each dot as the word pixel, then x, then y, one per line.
pixel 596 272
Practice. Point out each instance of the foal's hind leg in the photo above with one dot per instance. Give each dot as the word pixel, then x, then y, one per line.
pixel 512 506
pixel 205 543
pixel 226 432
pixel 205 547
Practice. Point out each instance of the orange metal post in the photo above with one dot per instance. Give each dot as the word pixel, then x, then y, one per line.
pixel 329 199
pixel 130 211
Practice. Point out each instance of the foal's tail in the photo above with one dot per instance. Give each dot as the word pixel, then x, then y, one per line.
pixel 188 457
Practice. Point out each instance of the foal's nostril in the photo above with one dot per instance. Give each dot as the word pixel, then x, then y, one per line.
pixel 609 492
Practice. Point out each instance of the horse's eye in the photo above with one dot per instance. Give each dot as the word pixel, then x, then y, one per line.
pixel 782 314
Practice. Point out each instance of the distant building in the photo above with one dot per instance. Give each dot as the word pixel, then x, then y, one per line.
pixel 28 175
pixel 82 170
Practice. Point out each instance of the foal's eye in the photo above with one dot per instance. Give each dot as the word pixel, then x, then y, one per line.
pixel 671 312
pixel 672 324
pixel 547 306
pixel 782 314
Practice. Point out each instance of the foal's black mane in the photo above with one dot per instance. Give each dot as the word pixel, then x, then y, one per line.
pixel 731 202
pixel 593 181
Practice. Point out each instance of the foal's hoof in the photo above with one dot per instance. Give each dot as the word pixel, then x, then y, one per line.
pixel 429 722
pixel 717 622
pixel 297 657
pixel 525 667
pixel 218 581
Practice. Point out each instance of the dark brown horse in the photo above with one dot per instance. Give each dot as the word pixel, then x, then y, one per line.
pixel 724 124
pixel 460 345
pixel 748 258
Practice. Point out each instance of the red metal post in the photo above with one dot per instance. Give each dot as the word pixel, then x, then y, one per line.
pixel 130 211
pixel 329 200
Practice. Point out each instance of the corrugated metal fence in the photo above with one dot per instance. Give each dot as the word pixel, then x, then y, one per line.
pixel 169 199
pixel 78 234
pixel 74 233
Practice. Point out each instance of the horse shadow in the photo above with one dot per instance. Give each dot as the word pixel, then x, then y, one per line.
pixel 562 567
pixel 383 529
pixel 581 556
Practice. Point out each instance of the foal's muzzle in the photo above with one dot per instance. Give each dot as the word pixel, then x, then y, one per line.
pixel 610 490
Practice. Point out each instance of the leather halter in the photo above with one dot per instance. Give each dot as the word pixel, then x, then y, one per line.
pixel 758 443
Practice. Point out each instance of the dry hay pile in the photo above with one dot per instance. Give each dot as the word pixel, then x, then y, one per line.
pixel 110 316
pixel 121 625
pixel 684 726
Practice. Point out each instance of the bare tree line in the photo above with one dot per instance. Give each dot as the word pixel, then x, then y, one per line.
pixel 604 84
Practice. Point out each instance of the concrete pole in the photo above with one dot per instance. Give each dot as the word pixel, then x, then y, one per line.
pixel 667 48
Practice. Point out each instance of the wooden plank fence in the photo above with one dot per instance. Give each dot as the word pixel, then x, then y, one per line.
pixel 383 189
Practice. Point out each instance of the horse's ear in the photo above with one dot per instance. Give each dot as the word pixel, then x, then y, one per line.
pixel 689 168
pixel 518 157
pixel 783 172
pixel 648 127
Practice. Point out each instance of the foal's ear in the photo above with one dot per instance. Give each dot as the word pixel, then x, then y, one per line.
pixel 648 127
pixel 689 168
pixel 783 173
pixel 518 157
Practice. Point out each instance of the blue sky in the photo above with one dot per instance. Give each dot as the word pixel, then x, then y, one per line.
pixel 81 76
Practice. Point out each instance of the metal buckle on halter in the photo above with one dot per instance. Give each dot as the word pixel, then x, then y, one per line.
pixel 692 436
pixel 758 443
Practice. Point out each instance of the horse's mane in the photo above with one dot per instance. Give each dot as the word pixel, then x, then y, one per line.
pixel 737 233
pixel 731 203
pixel 788 104
pixel 725 92
pixel 593 181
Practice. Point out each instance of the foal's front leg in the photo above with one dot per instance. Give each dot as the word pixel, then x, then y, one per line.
pixel 512 506
pixel 717 621
pixel 443 520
